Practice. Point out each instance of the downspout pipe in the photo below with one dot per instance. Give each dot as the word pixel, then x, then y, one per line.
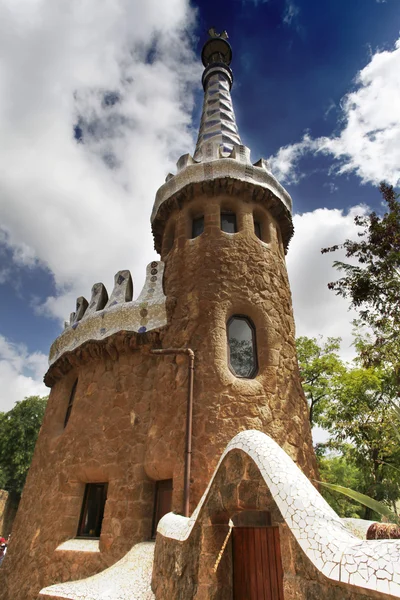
pixel 189 420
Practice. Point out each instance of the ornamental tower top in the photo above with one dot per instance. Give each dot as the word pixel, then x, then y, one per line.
pixel 220 158
pixel 218 123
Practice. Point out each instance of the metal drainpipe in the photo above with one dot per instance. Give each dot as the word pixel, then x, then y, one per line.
pixel 189 419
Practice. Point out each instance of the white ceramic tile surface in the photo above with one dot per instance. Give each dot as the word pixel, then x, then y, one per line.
pixel 79 545
pixel 128 579
pixel 323 536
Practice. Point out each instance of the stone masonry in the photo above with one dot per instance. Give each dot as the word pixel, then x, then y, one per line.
pixel 128 419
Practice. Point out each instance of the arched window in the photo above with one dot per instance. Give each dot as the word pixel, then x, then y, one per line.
pixel 228 222
pixel 197 227
pixel 242 349
pixel 258 229
pixel 262 224
pixel 70 403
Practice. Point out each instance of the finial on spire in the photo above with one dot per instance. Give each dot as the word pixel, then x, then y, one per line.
pixel 216 49
pixel 212 33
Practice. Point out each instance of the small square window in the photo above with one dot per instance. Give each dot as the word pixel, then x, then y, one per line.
pixel 92 510
pixel 228 222
pixel 197 227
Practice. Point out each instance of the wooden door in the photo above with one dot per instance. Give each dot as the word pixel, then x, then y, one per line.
pixel 257 565
pixel 162 502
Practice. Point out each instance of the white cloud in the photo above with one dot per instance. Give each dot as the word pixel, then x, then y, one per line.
pixel 62 206
pixel 291 12
pixel 4 274
pixel 21 373
pixel 319 311
pixel 283 163
pixel 368 144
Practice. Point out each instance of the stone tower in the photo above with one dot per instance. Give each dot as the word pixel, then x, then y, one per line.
pixel 222 226
pixel 116 437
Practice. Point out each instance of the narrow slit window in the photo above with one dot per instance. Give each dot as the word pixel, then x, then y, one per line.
pixel 258 229
pixel 197 227
pixel 70 403
pixel 228 222
pixel 92 513
pixel 162 503
pixel 242 349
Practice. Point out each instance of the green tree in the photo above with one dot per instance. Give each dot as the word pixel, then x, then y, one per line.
pixel 361 414
pixel 373 285
pixel 339 469
pixel 320 367
pixel 19 429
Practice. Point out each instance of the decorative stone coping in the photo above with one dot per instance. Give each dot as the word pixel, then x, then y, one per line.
pixel 128 579
pixel 217 167
pixel 103 316
pixel 322 535
pixel 79 545
pixel 236 166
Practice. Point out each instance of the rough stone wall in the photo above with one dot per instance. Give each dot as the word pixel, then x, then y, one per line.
pixel 207 280
pixel 200 568
pixel 104 441
pixel 127 425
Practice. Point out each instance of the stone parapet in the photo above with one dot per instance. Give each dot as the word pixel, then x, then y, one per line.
pixel 105 316
pixel 219 172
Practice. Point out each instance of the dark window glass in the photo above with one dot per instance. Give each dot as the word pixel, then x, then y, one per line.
pixel 92 510
pixel 163 502
pixel 242 347
pixel 228 222
pixel 197 227
pixel 257 229
pixel 70 403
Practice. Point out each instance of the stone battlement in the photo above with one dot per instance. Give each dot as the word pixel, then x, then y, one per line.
pixel 233 169
pixel 106 315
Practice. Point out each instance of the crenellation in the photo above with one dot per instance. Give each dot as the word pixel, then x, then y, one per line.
pixel 104 317
pixel 98 300
pixel 81 306
pixel 262 164
pixel 123 289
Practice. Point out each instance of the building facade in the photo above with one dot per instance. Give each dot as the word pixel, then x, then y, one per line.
pixel 147 394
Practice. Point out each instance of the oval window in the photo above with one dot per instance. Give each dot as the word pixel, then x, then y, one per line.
pixel 242 346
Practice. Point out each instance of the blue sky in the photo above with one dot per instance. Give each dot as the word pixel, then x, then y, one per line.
pixel 317 91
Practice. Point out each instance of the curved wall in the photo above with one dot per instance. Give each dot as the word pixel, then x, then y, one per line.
pixel 206 281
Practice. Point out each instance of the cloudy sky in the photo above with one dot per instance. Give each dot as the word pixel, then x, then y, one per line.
pixel 98 100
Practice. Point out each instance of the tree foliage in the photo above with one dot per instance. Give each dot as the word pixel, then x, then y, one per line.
pixel 320 366
pixel 373 285
pixel 362 414
pixel 354 404
pixel 19 429
pixel 339 469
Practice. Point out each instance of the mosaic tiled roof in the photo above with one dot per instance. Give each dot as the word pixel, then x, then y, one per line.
pixel 218 123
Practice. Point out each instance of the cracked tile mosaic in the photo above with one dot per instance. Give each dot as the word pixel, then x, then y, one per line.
pixel 128 579
pixel 323 536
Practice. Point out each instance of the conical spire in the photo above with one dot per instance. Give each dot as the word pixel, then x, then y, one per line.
pixel 218 124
